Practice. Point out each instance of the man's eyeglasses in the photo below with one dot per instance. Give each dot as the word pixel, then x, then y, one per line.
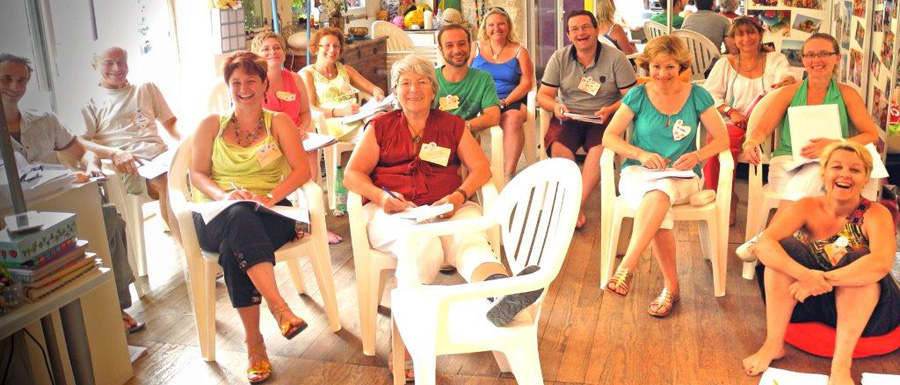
pixel 586 27
pixel 818 55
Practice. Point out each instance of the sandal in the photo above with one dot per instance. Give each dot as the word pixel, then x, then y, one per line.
pixel 259 371
pixel 409 375
pixel 288 329
pixel 664 303
pixel 620 283
pixel 133 324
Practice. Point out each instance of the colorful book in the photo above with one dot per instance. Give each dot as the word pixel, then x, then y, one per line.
pixel 49 270
pixel 16 249
pixel 49 257
pixel 34 294
pixel 76 264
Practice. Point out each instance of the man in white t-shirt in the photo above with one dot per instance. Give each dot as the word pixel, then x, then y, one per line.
pixel 124 116
pixel 38 136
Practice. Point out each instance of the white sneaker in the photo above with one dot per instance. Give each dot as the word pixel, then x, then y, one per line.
pixel 743 251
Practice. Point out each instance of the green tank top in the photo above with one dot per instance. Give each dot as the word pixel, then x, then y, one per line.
pixel 336 93
pixel 832 96
pixel 234 165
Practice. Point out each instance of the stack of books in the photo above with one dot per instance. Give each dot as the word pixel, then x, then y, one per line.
pixel 47 259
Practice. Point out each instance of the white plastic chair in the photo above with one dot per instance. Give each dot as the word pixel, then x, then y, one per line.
pixel 332 158
pixel 203 266
pixel 399 44
pixel 653 30
pixel 713 236
pixel 704 52
pixel 536 215
pixel 495 138
pixel 760 198
pixel 531 146
pixel 373 266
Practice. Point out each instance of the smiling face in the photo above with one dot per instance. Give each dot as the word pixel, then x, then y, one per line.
pixel 414 92
pixel 455 47
pixel 246 88
pixel 582 33
pixel 13 81
pixel 747 39
pixel 844 175
pixel 112 65
pixel 272 51
pixel 329 49
pixel 496 27
pixel 664 70
pixel 826 59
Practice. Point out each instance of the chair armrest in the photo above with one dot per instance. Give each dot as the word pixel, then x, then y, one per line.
pixel 489 196
pixel 315 205
pixel 318 120
pixel 497 156
pixel 607 173
pixel 726 170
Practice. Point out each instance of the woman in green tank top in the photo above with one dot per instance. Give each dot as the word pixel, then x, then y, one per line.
pixel 249 154
pixel 820 59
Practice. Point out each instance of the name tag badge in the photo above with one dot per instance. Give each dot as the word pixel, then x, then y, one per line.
pixel 448 103
pixel 433 153
pixel 587 84
pixel 286 96
pixel 268 154
pixel 141 119
pixel 680 130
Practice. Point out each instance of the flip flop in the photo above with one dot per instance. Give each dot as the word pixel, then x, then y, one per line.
pixel 138 326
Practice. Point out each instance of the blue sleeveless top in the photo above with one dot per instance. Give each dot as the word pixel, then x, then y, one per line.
pixel 506 75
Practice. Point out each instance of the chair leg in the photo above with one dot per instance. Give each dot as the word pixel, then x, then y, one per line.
pixel 720 261
pixel 296 276
pixel 756 222
pixel 135 228
pixel 525 362
pixel 608 261
pixel 368 307
pixel 330 177
pixel 706 246
pixel 205 311
pixel 397 356
pixel 321 263
pixel 531 149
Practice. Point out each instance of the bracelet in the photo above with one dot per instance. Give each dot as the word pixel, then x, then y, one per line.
pixel 332 113
pixel 464 194
pixel 755 143
pixel 698 156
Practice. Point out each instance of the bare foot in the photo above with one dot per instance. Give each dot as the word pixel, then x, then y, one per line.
pixel 840 377
pixel 333 238
pixel 759 361
pixel 581 220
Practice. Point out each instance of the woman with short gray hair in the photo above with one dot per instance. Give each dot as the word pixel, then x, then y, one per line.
pixel 727 8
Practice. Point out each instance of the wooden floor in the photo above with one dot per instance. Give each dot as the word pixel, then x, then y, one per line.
pixel 585 336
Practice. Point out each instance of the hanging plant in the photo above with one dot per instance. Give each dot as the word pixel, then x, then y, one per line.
pixel 225 4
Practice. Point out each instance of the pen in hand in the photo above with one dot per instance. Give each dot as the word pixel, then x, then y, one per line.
pixel 391 193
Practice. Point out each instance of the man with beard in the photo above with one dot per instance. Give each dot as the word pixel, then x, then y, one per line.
pixel 587 79
pixel 463 91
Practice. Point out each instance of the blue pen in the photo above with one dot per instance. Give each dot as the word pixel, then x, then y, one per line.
pixel 391 193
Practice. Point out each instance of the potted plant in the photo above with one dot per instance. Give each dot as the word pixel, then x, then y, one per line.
pixel 333 10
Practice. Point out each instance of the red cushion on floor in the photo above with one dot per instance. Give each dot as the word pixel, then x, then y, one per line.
pixel 818 339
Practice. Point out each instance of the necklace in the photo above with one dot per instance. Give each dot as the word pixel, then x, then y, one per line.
pixel 741 66
pixel 246 138
pixel 496 54
pixel 416 135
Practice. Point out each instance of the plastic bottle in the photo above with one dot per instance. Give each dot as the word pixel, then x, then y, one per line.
pixel 340 191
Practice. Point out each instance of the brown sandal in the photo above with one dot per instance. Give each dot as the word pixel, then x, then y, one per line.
pixel 664 303
pixel 620 280
pixel 288 329
pixel 259 371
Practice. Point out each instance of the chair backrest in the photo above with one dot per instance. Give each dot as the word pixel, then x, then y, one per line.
pixel 761 109
pixel 653 30
pixel 537 211
pixel 704 52
pixel 218 99
pixel 179 198
pixel 397 39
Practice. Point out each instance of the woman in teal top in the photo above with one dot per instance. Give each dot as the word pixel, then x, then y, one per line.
pixel 666 114
pixel 820 59
pixel 249 154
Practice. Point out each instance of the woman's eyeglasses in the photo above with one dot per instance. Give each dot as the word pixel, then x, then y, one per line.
pixel 818 55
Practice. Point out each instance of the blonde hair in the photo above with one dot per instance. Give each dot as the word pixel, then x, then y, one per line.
pixel 849 146
pixel 606 11
pixel 511 35
pixel 417 65
pixel 727 5
pixel 257 42
pixel 665 45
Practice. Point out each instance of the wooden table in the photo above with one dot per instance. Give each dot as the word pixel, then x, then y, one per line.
pixel 368 57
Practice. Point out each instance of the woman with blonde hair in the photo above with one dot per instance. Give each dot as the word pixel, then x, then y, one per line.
pixel 828 259
pixel 499 53
pixel 666 113
pixel 606 21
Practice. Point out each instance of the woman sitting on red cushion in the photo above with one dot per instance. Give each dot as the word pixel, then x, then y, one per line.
pixel 834 257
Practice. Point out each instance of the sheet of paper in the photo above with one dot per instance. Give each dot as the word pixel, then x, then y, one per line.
pixel 315 141
pixel 584 118
pixel 811 122
pixel 424 213
pixel 880 379
pixel 371 108
pixel 651 175
pixel 158 165
pixel 878 169
pixel 209 210
pixel 774 376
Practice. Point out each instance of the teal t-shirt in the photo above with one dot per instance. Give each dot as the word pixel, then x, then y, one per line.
pixel 661 18
pixel 651 131
pixel 832 96
pixel 468 97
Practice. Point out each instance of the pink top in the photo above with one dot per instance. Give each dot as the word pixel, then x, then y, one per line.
pixel 287 101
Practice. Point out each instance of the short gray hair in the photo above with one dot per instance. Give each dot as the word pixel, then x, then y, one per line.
pixel 100 53
pixel 5 57
pixel 727 6
pixel 417 65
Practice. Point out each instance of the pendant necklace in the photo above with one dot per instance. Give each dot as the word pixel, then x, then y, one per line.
pixel 496 54
pixel 246 138
pixel 416 136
